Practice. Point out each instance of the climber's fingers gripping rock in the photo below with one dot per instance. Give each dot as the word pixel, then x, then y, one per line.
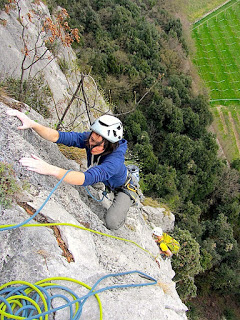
pixel 37 165
pixel 26 122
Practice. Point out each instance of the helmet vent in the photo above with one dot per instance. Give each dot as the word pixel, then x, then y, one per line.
pixel 103 124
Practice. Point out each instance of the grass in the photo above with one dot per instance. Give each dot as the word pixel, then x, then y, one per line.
pixel 217 59
pixel 196 9
pixel 227 127
pixel 151 202
pixel 9 187
pixel 217 56
pixel 72 153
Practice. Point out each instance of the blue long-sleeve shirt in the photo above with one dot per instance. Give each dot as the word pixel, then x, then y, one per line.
pixel 110 169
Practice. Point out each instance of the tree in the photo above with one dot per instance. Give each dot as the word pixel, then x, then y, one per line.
pixel 186 264
pixel 200 105
pixel 235 164
pixel 174 122
pixel 224 254
pixel 48 33
pixel 135 124
pixel 192 126
pixel 177 151
pixel 188 218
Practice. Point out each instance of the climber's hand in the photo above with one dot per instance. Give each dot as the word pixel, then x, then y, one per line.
pixel 26 122
pixel 37 165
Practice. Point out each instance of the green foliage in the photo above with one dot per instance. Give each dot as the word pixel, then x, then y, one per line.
pixel 223 256
pixel 206 259
pixel 186 264
pixel 3 3
pixel 63 64
pixel 235 164
pixel 8 185
pixel 146 157
pixel 36 93
pixel 230 314
pixel 188 217
pixel 200 105
pixel 177 151
pixel 220 233
pixel 187 289
pixel 225 198
pixel 127 45
pixel 136 125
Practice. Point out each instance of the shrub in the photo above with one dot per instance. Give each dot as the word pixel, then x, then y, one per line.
pixel 36 93
pixel 8 185
pixel 186 264
pixel 2 4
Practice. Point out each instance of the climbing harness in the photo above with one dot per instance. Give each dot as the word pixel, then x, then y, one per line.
pixel 131 186
pixel 23 300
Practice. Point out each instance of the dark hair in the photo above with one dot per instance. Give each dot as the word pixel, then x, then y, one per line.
pixel 109 147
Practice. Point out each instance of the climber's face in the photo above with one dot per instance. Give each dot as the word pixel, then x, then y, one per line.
pixel 96 144
pixel 157 238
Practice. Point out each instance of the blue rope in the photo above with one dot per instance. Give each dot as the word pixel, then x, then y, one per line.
pixel 99 200
pixel 28 308
pixel 36 213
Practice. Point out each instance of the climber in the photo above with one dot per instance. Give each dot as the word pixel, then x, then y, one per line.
pixel 165 243
pixel 105 150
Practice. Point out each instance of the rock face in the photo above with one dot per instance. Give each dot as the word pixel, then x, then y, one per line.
pixel 38 252
pixel 35 253
pixel 62 85
pixel 12 47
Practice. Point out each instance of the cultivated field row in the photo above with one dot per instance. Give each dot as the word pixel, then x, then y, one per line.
pixel 226 126
pixel 218 60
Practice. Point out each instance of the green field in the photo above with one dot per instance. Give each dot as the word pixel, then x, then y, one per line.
pixel 217 57
pixel 226 126
pixel 197 9
pixel 217 40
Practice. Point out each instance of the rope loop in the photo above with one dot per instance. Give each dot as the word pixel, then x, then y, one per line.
pixel 23 300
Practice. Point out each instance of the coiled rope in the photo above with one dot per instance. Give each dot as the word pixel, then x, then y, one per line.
pixel 23 300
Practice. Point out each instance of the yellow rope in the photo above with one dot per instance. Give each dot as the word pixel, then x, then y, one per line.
pixel 82 228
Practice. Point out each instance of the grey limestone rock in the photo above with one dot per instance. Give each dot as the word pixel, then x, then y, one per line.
pixel 33 253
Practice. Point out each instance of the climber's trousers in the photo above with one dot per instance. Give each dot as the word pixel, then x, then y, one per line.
pixel 117 213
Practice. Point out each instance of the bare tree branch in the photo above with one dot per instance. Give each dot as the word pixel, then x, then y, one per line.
pixel 69 104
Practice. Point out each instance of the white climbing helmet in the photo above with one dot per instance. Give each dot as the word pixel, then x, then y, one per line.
pixel 157 232
pixel 109 127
